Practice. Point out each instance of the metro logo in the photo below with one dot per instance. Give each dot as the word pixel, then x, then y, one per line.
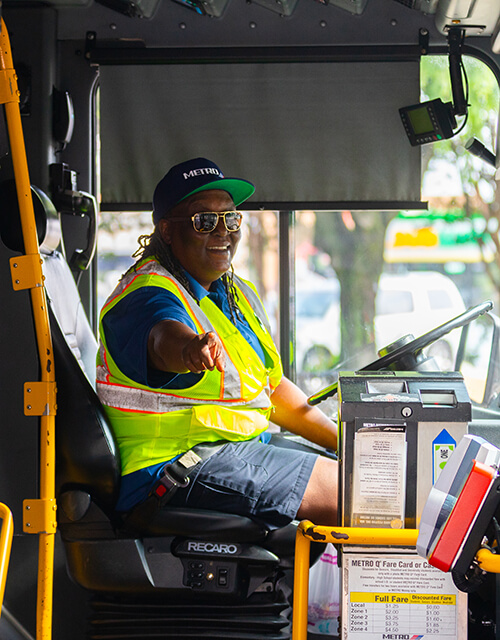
pixel 201 172
pixel 400 636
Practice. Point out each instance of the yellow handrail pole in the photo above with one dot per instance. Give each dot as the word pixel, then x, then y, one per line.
pixel 301 582
pixel 6 534
pixel 360 535
pixel 488 561
pixel 44 509
pixel 308 531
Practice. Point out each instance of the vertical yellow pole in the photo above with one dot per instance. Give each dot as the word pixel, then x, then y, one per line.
pixel 301 585
pixel 6 534
pixel 9 96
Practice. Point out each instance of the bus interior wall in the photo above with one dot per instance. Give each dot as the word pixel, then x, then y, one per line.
pixel 52 46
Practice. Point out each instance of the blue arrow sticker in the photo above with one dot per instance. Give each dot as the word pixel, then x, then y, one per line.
pixel 442 448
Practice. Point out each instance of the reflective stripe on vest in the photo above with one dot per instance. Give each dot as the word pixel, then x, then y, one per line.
pixel 134 399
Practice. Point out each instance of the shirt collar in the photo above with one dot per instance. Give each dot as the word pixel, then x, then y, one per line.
pixel 199 291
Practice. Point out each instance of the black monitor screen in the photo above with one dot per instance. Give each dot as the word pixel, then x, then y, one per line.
pixel 420 120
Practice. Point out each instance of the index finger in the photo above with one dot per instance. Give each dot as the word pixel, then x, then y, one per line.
pixel 216 353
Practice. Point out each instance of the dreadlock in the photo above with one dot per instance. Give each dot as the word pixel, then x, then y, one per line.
pixel 154 245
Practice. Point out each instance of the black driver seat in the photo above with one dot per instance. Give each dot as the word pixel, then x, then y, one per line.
pixel 206 574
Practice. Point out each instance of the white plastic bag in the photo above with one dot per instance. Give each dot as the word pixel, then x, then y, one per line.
pixel 324 594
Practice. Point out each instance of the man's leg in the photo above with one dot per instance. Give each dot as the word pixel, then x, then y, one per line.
pixel 319 503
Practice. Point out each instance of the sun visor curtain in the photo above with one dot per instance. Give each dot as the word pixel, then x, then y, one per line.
pixel 301 132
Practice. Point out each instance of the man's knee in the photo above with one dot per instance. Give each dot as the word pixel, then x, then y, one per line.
pixel 319 503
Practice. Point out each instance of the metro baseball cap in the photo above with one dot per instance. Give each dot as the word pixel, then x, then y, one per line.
pixel 192 176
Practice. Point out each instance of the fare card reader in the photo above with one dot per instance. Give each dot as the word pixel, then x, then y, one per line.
pixel 397 431
pixel 460 508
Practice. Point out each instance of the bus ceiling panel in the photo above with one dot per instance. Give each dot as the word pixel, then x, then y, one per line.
pixel 250 24
pixel 169 23
pixel 477 17
pixel 302 132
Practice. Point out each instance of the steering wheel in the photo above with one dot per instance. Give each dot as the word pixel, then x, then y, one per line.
pixel 407 351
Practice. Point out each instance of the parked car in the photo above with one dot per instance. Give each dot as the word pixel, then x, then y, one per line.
pixel 317 335
pixel 414 302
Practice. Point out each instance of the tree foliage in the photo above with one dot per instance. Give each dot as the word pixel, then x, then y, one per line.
pixel 355 242
pixel 477 178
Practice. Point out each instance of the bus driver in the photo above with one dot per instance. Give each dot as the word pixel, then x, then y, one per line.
pixel 189 374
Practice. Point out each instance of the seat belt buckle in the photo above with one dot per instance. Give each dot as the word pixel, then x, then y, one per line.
pixel 167 485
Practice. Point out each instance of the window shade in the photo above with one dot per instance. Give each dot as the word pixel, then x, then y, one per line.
pixel 301 132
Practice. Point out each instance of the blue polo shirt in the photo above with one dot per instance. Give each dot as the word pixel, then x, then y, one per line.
pixel 126 328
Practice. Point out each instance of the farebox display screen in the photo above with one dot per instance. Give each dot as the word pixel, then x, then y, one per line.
pixel 420 120
pixel 429 121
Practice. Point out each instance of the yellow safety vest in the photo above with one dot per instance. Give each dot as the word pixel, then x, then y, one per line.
pixel 154 425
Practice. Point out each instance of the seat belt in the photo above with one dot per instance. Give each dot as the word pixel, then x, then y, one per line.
pixel 176 474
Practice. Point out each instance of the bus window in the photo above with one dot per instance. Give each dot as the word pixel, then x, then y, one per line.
pixel 116 242
pixel 256 258
pixel 365 278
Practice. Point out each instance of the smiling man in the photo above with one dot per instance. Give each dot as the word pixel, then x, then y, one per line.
pixel 190 376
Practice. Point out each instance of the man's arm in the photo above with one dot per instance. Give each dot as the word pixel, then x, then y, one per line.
pixel 175 347
pixel 292 412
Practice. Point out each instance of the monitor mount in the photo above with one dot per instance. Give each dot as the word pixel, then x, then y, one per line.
pixel 435 120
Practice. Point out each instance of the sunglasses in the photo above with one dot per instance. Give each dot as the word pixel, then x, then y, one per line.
pixel 207 221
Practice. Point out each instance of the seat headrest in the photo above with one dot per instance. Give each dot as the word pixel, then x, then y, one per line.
pixel 48 225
